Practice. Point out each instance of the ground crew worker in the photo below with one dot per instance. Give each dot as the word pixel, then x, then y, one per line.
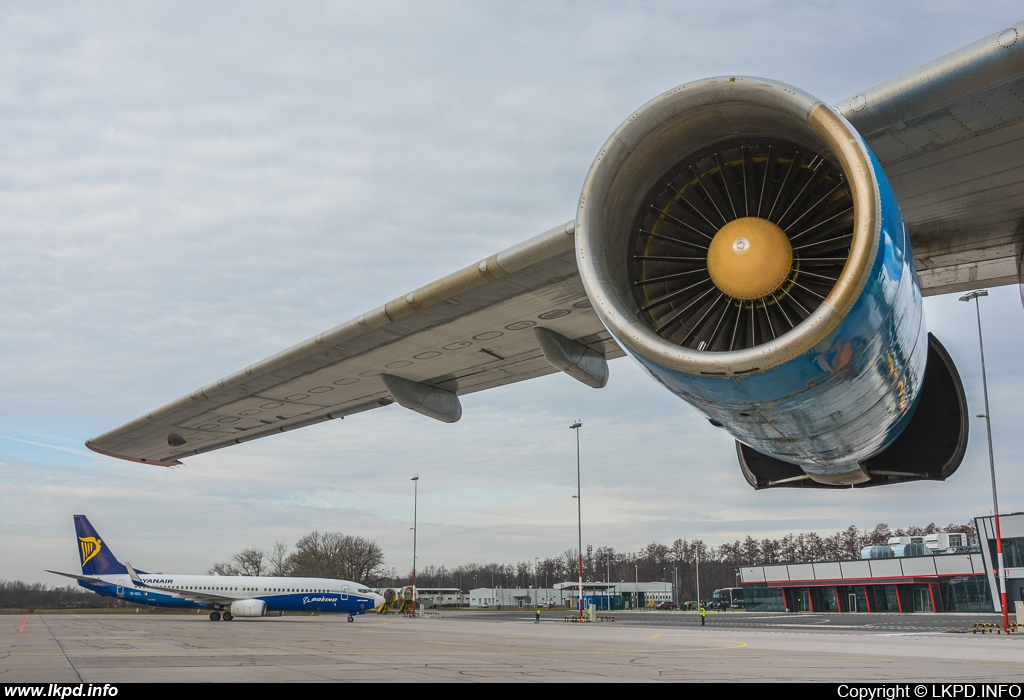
pixel 537 620
pixel 703 614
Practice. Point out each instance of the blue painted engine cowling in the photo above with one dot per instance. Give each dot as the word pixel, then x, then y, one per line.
pixel 823 369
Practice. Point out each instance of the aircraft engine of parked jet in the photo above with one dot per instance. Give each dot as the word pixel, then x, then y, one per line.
pixel 249 608
pixel 741 242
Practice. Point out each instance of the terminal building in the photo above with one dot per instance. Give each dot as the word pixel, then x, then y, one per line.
pixel 924 579
pixel 440 598
pixel 623 595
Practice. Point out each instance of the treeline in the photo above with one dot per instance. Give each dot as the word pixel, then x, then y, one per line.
pixel 336 555
pixel 18 595
pixel 317 555
pixel 677 563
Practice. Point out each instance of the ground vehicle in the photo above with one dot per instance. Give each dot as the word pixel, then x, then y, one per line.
pixel 667 605
pixel 724 598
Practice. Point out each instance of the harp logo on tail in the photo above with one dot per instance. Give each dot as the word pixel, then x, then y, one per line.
pixel 90 546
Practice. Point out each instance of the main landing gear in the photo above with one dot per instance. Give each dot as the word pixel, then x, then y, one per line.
pixel 227 617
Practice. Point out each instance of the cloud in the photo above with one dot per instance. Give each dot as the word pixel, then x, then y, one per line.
pixel 186 191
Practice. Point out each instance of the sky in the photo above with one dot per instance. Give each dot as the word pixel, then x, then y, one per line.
pixel 187 188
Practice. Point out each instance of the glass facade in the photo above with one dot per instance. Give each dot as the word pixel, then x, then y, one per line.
pixel 966 594
pixel 825 599
pixel 883 599
pixel 758 596
pixel 1013 551
pixel 946 594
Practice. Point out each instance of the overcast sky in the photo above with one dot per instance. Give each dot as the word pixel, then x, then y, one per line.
pixel 186 188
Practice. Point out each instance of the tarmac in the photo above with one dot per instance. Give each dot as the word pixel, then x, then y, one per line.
pixel 96 648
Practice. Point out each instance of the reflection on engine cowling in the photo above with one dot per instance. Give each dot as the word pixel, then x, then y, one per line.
pixel 741 242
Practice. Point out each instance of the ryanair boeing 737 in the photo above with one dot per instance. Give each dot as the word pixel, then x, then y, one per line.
pixel 227 597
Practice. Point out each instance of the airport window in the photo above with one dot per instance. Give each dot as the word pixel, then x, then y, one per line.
pixel 1013 551
pixel 762 597
pixel 966 594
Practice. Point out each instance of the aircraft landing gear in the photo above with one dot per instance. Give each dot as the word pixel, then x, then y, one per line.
pixel 214 616
pixel 228 617
pixel 350 618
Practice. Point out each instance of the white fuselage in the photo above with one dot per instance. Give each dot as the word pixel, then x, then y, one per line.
pixel 280 593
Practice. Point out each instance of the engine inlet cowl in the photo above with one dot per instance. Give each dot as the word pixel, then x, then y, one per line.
pixel 727 226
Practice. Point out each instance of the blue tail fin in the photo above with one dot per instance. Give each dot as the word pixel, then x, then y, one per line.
pixel 97 559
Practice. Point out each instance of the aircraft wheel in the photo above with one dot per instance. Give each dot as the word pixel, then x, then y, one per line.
pixel 228 617
pixel 215 616
pixel 350 618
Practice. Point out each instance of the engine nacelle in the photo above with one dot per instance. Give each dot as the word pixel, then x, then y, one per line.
pixel 250 607
pixel 741 242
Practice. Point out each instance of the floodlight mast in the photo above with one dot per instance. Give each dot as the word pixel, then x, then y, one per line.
pixel 579 516
pixel 415 501
pixel 991 458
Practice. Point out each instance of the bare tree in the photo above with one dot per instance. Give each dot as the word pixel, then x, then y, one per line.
pixel 250 562
pixel 277 559
pixel 335 555
pixel 223 569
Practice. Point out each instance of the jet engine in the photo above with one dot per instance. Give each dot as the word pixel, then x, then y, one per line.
pixel 249 608
pixel 741 242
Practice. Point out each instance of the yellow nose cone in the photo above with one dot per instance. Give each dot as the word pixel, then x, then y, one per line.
pixel 749 258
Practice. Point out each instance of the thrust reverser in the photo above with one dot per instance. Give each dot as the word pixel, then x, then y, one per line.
pixel 741 242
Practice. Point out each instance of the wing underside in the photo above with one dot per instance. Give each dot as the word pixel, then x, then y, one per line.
pixel 470 331
pixel 950 137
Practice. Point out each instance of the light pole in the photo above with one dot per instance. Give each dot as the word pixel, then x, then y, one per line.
pixel 415 502
pixel 607 578
pixel 991 458
pixel 696 559
pixel 579 514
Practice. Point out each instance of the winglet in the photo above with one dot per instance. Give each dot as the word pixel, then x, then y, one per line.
pixel 134 576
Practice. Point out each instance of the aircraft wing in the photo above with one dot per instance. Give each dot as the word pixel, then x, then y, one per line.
pixel 472 330
pixel 950 137
pixel 194 596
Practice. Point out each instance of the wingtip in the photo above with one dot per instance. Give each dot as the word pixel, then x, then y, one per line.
pixel 140 460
